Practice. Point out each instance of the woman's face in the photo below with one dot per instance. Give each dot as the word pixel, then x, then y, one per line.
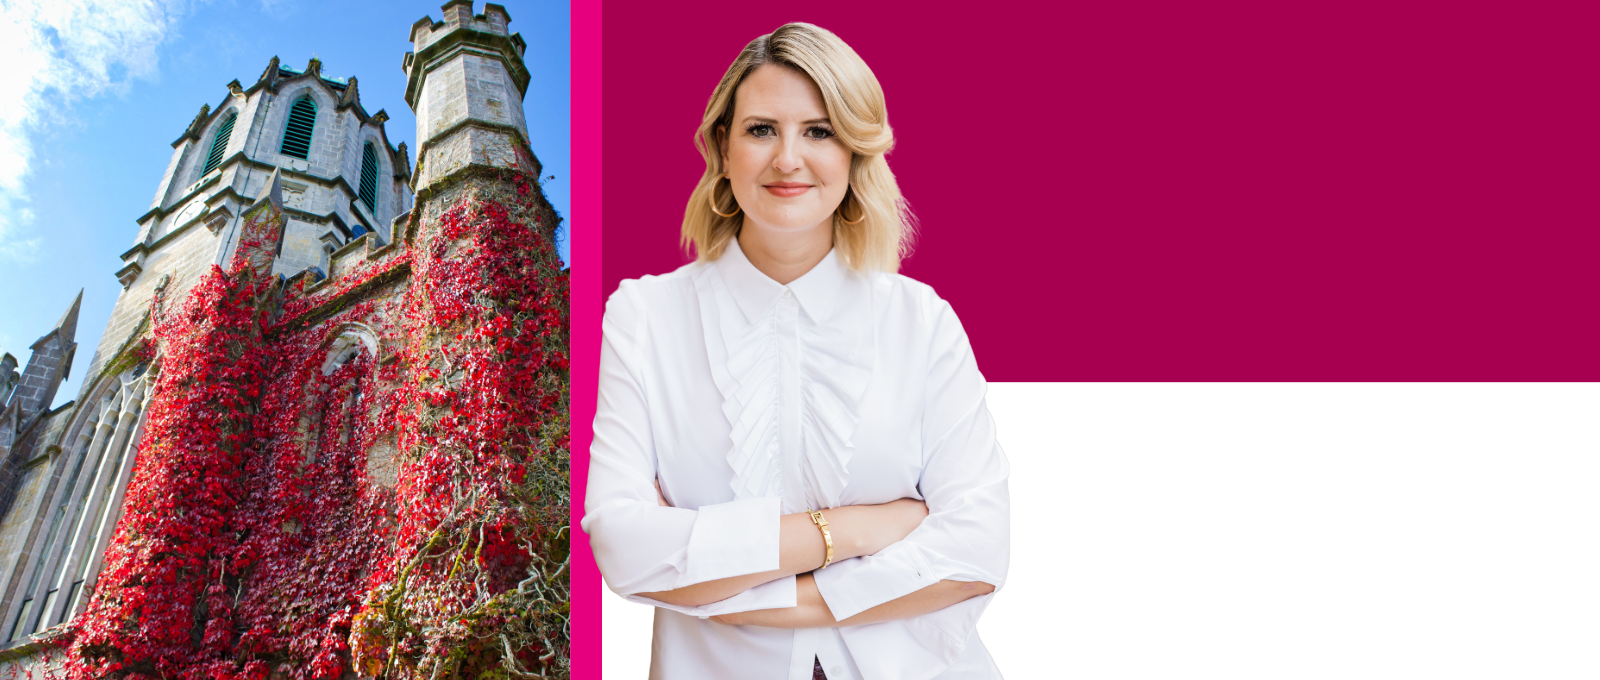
pixel 789 171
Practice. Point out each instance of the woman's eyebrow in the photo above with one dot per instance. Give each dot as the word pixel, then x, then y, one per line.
pixel 772 121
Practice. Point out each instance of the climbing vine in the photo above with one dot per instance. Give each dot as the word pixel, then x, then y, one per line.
pixel 161 606
pixel 479 583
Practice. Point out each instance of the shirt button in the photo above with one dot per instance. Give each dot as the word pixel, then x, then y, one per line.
pixel 836 671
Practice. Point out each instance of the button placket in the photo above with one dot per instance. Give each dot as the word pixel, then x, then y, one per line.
pixel 787 329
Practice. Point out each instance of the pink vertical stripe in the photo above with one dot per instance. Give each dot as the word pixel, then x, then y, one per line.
pixel 583 227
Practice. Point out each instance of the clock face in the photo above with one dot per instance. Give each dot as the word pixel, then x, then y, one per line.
pixel 190 212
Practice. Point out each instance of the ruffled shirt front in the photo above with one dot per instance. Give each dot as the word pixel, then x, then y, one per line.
pixel 748 399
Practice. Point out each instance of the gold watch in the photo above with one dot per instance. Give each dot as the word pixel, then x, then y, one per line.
pixel 822 524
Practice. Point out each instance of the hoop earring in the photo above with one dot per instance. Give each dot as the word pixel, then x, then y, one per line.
pixel 712 197
pixel 840 210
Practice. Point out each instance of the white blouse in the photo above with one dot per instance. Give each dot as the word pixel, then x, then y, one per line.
pixel 748 399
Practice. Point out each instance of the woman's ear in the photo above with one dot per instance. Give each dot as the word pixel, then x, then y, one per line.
pixel 722 145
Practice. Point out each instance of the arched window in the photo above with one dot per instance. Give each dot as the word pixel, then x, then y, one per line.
pixel 331 424
pixel 302 121
pixel 85 509
pixel 219 143
pixel 369 179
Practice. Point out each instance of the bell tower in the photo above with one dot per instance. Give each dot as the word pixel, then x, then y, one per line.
pixel 341 180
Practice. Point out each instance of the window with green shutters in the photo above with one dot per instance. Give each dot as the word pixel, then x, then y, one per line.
pixel 369 179
pixel 297 136
pixel 219 143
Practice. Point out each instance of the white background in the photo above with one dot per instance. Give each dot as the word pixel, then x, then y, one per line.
pixel 1286 530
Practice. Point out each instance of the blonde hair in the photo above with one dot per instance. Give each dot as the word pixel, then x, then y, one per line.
pixel 856 108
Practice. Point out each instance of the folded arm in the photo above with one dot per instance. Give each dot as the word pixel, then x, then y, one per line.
pixel 811 611
pixel 855 530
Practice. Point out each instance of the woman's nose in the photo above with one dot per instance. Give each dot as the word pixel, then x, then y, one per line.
pixel 788 159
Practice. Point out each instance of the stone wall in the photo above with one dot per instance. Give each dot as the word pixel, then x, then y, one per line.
pixel 186 257
pixel 46 368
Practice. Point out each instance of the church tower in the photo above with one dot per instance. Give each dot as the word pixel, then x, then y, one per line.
pixel 341 180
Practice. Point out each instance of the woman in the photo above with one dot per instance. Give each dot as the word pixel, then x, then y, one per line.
pixel 789 370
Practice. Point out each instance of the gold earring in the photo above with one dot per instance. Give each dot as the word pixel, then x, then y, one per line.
pixel 712 197
pixel 840 210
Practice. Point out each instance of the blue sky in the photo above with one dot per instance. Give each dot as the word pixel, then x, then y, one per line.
pixel 93 92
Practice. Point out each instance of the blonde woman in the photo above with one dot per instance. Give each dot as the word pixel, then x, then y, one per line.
pixel 792 458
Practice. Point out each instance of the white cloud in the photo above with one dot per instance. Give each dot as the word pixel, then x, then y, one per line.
pixel 54 52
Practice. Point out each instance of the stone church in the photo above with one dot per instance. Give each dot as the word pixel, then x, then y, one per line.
pixel 324 432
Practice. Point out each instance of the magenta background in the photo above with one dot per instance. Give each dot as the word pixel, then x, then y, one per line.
pixel 1146 191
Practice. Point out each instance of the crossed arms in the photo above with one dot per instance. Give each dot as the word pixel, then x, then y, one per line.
pixel 856 530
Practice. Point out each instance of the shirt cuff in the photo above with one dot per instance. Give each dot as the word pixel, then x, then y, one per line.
pixel 770 595
pixel 918 648
pixel 854 586
pixel 732 539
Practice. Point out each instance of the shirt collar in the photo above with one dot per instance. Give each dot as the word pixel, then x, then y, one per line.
pixel 755 292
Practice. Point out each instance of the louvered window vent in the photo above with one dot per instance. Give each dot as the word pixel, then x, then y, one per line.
pixel 369 179
pixel 302 122
pixel 219 143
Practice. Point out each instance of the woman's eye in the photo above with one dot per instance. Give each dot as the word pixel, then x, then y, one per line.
pixel 760 130
pixel 819 133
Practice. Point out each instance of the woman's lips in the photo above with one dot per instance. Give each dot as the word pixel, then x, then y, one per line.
pixel 786 189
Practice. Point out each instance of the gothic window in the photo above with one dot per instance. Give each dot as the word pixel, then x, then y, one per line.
pixel 336 412
pixel 347 347
pixel 302 122
pixel 79 516
pixel 219 143
pixel 369 179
